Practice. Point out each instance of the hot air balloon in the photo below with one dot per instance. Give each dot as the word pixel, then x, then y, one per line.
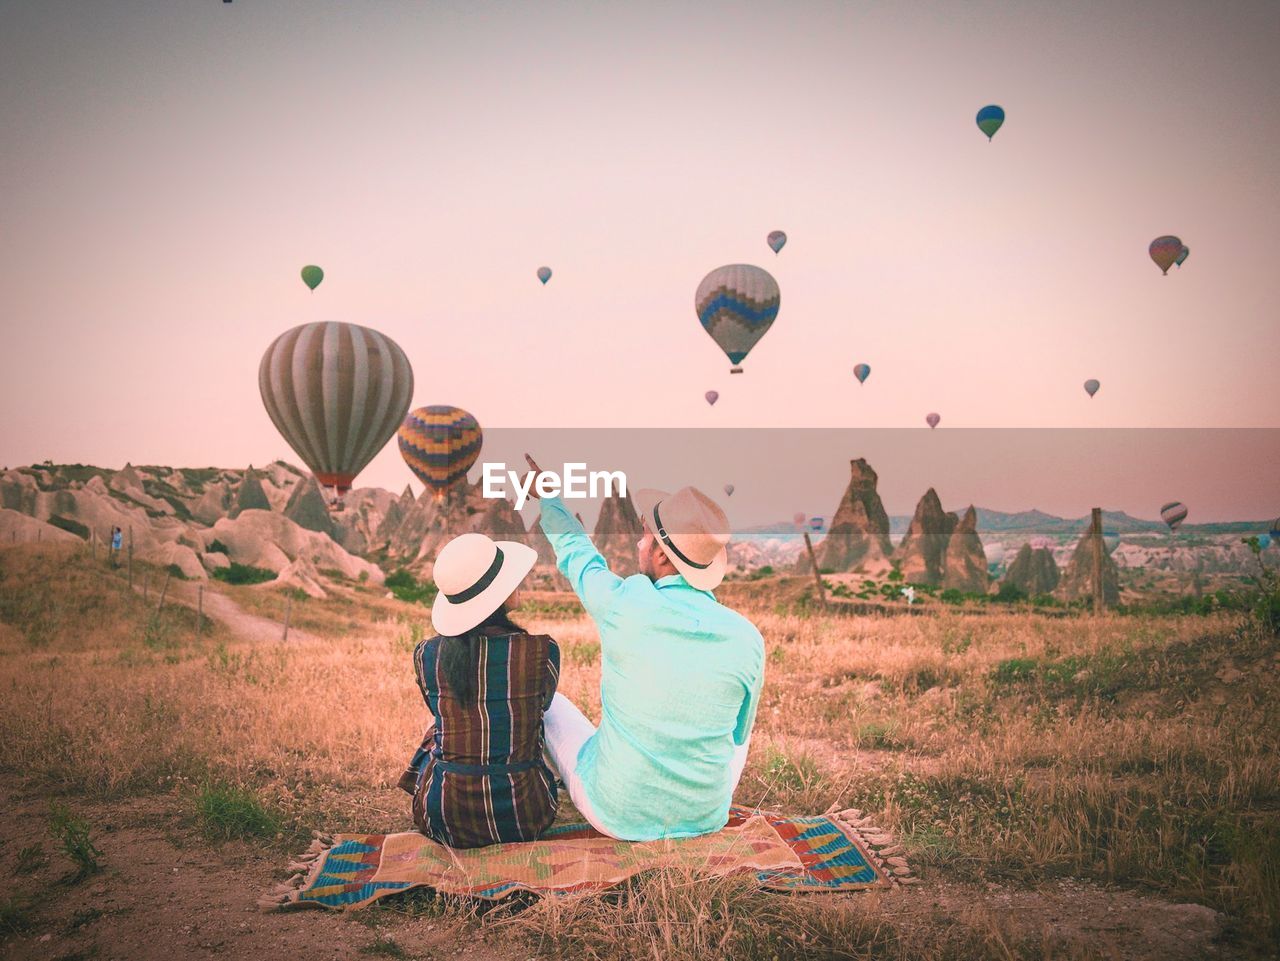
pixel 862 372
pixel 1164 251
pixel 1183 254
pixel 816 524
pixel 712 396
pixel 312 275
pixel 1173 514
pixel 440 444
pixel 736 305
pixel 336 393
pixel 990 118
pixel 932 420
pixel 544 274
pixel 994 554
pixel 1091 386
pixel 799 519
pixel 776 240
pixel 728 489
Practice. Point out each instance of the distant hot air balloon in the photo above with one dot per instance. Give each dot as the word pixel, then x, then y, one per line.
pixel 336 392
pixel 736 305
pixel 776 240
pixel 1164 251
pixel 312 275
pixel 816 524
pixel 799 519
pixel 1183 254
pixel 990 118
pixel 1110 540
pixel 932 420
pixel 440 444
pixel 729 489
pixel 544 274
pixel 862 372
pixel 1091 386
pixel 994 554
pixel 712 396
pixel 1173 514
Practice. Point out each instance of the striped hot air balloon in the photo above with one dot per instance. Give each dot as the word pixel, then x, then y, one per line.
pixel 1173 514
pixel 1164 251
pixel 712 396
pixel 544 274
pixel 816 524
pixel 862 372
pixel 776 240
pixel 440 444
pixel 736 305
pixel 335 392
pixel 990 118
pixel 729 489
pixel 1091 386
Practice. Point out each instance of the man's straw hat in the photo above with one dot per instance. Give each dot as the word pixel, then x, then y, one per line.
pixel 692 531
pixel 475 575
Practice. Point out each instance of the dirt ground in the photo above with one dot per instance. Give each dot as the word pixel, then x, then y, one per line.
pixel 165 892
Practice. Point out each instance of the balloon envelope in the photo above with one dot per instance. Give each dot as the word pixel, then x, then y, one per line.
pixel 776 240
pixel 862 372
pixel 729 489
pixel 990 118
pixel 312 275
pixel 1173 514
pixel 1091 387
pixel 712 396
pixel 336 393
pixel 932 420
pixel 1164 251
pixel 544 274
pixel 994 554
pixel 1183 254
pixel 799 519
pixel 815 523
pixel 737 304
pixel 440 443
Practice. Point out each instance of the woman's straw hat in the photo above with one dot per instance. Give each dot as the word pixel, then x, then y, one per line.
pixel 692 531
pixel 475 575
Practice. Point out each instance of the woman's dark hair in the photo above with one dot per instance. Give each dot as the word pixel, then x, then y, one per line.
pixel 460 655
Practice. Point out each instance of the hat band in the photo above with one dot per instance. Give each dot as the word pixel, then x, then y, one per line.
pixel 662 536
pixel 485 580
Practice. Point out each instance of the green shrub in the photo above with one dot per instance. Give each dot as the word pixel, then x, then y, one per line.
pixel 216 547
pixel 244 574
pixel 227 812
pixel 67 524
pixel 409 589
pixel 73 833
pixel 175 571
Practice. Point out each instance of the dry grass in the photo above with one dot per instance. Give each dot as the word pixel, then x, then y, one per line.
pixel 1002 747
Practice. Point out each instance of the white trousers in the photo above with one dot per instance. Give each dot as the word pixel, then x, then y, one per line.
pixel 567 729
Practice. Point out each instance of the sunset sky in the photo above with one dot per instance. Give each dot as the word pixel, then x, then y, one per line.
pixel 167 168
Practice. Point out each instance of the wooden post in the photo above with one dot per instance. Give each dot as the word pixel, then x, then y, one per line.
pixel 817 577
pixel 199 609
pixel 1099 598
pixel 130 557
pixel 164 590
pixel 288 609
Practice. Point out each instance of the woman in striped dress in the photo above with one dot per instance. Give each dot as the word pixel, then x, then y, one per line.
pixel 479 777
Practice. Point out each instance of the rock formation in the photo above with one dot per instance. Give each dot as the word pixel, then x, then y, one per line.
pixel 617 532
pixel 214 503
pixel 301 575
pixel 250 496
pixel 431 523
pixel 858 536
pixel 965 563
pixel 306 507
pixel 1033 571
pixel 1077 580
pixel 262 538
pixel 922 554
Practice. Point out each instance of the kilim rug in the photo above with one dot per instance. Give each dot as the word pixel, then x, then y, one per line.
pixel 829 852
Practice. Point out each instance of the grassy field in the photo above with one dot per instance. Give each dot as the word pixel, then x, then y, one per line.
pixel 1046 775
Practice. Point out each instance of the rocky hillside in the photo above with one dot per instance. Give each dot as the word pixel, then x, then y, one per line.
pixel 858 536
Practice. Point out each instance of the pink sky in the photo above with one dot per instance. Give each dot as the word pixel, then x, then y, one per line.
pixel 168 168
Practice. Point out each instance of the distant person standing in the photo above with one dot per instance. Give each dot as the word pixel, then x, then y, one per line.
pixel 117 540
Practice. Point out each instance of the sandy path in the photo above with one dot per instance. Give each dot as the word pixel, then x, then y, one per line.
pixel 219 607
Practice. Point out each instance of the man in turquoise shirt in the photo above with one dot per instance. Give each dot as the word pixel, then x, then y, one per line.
pixel 680 675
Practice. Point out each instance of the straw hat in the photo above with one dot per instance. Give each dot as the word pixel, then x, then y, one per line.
pixel 692 531
pixel 475 575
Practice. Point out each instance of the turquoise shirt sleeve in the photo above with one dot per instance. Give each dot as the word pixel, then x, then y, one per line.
pixel 578 560
pixel 747 713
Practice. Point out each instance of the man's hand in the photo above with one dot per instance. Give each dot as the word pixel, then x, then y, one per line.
pixel 531 479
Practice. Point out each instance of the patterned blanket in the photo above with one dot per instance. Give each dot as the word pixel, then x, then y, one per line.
pixel 829 852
